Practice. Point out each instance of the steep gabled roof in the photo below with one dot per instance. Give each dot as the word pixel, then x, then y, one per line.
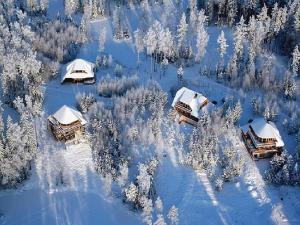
pixel 66 115
pixel 264 130
pixel 194 99
pixel 73 68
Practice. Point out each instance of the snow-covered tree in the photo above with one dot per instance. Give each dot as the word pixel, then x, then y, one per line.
pixel 160 220
pixel 289 87
pixel 180 73
pixel 139 44
pixel 297 19
pixel 295 61
pixel 239 37
pixel 173 215
pixel 231 10
pixel 85 101
pixel 202 41
pixel 159 205
pixel 182 31
pixel 71 6
pixel 123 177
pixel 147 210
pixel 222 45
pixel 131 193
pixel 102 39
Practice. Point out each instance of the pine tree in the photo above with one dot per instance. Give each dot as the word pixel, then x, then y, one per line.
pixel 71 6
pixel 222 45
pixel 180 73
pixel 231 11
pixel 139 45
pixel 159 205
pixel 182 31
pixel 202 41
pixel 289 87
pixel 295 61
pixel 173 215
pixel 297 19
pixel 102 39
pixel 160 220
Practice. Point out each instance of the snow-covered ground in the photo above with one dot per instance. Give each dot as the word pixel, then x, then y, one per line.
pixel 81 199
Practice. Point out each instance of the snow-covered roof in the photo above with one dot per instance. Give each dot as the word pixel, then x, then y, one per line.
pixel 194 99
pixel 66 115
pixel 79 69
pixel 264 129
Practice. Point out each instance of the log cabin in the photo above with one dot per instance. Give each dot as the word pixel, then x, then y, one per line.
pixel 66 124
pixel 79 70
pixel 262 139
pixel 190 105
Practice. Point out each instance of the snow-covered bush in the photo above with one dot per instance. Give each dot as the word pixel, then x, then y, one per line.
pixel 85 101
pixel 109 87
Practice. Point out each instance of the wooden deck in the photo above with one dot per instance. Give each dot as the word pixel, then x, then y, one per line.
pixel 185 114
pixel 66 132
pixel 264 151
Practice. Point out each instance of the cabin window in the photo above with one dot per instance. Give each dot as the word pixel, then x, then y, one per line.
pixel 79 71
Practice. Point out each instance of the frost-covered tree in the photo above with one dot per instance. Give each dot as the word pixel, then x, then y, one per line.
pixel 160 220
pixel 85 101
pixel 71 6
pixel 222 45
pixel 193 14
pixel 289 87
pixel 138 40
pixel 180 73
pixel 295 61
pixel 282 170
pixel 147 210
pixel 202 41
pixel 231 11
pixel 297 19
pixel 239 37
pixel 232 164
pixel 131 193
pixel 182 32
pixel 159 205
pixel 173 215
pixel 123 177
pixel 219 183
pixel 102 39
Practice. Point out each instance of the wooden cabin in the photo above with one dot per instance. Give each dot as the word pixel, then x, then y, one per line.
pixel 190 105
pixel 262 139
pixel 66 124
pixel 79 70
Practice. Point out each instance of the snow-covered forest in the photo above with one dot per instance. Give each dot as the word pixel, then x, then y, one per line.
pixel 135 161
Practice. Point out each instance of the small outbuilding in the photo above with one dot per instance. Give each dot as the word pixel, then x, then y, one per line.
pixel 262 138
pixel 67 123
pixel 79 70
pixel 190 105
